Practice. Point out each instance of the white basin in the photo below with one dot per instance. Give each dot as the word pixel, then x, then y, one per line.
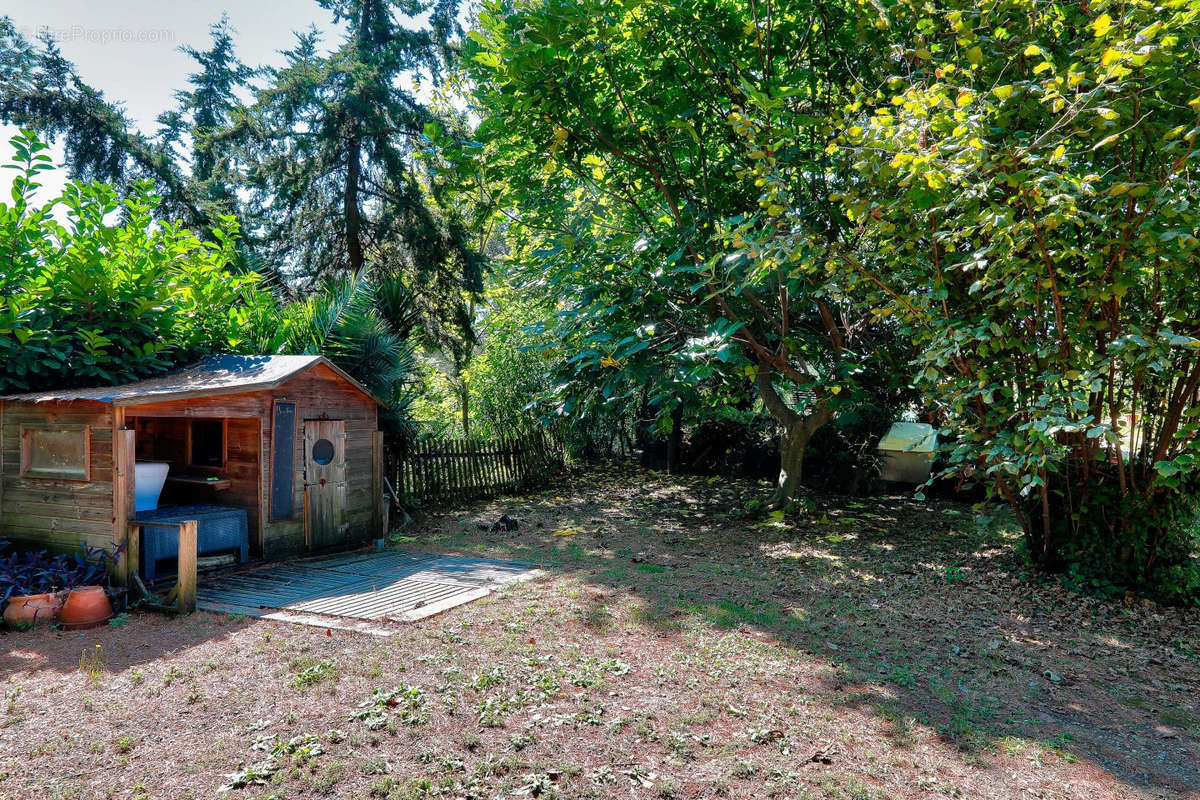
pixel 148 479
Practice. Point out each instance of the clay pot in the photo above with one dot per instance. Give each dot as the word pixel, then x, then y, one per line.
pixel 31 610
pixel 86 607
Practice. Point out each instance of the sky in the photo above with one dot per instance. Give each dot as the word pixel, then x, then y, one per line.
pixel 129 49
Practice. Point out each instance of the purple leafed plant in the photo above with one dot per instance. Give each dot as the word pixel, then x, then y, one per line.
pixel 35 572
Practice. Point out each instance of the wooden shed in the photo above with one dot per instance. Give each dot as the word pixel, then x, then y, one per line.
pixel 291 440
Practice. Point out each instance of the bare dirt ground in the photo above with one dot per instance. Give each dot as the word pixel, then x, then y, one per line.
pixel 674 648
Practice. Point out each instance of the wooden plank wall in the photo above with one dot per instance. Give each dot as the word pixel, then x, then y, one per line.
pixel 55 514
pixel 319 393
pixel 463 469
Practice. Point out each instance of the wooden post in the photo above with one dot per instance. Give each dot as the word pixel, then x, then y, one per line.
pixel 377 481
pixel 426 464
pixel 133 549
pixel 404 473
pixel 124 501
pixel 510 482
pixel 464 464
pixel 497 467
pixel 476 480
pixel 523 460
pixel 186 602
pixel 411 480
pixel 485 461
pixel 460 455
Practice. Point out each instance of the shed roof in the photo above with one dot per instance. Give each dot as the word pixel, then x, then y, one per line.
pixel 212 376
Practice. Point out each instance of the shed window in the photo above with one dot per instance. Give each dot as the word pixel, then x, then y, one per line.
pixel 208 443
pixel 60 452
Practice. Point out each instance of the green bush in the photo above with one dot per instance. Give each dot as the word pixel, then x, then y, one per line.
pixel 1028 179
pixel 97 291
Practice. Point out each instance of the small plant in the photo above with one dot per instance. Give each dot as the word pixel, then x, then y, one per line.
pixel 764 735
pixel 91 662
pixel 485 680
pixel 492 711
pixel 383 787
pixel 536 785
pixel 373 766
pixel 257 774
pixel 315 674
pixel 407 701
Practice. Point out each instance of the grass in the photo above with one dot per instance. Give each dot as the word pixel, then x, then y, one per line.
pixel 676 647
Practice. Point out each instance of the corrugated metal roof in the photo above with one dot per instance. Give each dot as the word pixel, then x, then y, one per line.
pixel 215 375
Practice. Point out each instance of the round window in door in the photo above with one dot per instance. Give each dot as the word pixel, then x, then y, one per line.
pixel 322 452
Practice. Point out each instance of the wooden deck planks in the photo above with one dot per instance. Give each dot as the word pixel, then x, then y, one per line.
pixel 388 586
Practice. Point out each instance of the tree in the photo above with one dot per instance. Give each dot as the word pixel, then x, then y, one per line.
pixel 470 203
pixel 1029 178
pixel 205 111
pixel 331 144
pixel 95 300
pixel 636 139
pixel 39 89
pixel 364 325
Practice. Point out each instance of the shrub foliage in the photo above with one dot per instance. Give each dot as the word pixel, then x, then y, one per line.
pixel 1029 183
pixel 96 292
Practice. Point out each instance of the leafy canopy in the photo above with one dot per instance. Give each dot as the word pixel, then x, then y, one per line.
pixel 107 294
pixel 1028 175
pixel 636 141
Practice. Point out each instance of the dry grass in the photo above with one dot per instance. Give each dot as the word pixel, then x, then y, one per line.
pixel 675 648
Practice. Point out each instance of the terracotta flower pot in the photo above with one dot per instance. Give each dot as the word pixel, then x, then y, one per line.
pixel 31 610
pixel 86 607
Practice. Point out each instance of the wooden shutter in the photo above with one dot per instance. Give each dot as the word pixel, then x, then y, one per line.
pixel 283 461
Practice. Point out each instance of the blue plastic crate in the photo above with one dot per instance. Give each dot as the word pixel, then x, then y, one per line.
pixel 219 528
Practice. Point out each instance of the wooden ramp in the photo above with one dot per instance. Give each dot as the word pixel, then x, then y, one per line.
pixel 360 591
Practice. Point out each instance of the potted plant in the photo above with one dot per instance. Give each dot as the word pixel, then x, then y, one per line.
pixel 37 588
pixel 27 599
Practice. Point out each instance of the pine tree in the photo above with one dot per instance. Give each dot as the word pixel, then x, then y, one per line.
pixel 205 112
pixel 40 89
pixel 333 145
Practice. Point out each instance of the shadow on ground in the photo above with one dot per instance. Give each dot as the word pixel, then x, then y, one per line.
pixel 922 615
pixel 120 646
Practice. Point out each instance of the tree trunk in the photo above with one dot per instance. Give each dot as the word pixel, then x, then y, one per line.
pixel 675 440
pixel 464 403
pixel 354 248
pixel 792 444
pixel 797 430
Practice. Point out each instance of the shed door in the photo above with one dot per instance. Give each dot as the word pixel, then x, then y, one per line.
pixel 324 482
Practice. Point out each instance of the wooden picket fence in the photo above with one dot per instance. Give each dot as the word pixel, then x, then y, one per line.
pixel 466 469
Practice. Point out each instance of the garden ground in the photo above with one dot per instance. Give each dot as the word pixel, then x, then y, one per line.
pixel 878 648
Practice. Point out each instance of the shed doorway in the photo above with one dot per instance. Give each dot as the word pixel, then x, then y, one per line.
pixel 325 482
